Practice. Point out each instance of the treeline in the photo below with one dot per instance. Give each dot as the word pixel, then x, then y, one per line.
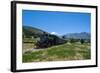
pixel 82 41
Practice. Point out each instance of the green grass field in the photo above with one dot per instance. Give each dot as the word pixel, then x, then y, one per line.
pixel 64 52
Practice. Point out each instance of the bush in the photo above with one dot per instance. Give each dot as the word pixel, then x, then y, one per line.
pixel 82 41
pixel 72 40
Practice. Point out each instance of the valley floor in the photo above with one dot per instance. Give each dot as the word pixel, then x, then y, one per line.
pixel 64 52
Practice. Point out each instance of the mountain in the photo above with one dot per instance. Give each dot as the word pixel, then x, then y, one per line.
pixel 29 31
pixel 82 35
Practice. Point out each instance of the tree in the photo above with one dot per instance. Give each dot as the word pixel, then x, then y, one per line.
pixel 82 41
pixel 64 37
pixel 72 40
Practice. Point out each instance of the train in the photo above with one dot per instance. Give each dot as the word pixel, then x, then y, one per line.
pixel 48 40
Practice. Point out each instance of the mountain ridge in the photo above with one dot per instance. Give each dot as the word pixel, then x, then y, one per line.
pixel 81 35
pixel 32 31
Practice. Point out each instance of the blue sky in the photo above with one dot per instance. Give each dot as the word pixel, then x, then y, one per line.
pixel 57 22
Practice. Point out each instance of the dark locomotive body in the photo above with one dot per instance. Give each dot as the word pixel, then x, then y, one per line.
pixel 47 40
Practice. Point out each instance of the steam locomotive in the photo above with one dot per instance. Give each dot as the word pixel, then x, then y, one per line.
pixel 48 40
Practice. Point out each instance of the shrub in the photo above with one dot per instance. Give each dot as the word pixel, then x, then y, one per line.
pixel 72 40
pixel 82 41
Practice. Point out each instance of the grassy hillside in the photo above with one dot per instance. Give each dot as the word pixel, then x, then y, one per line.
pixel 67 51
pixel 29 31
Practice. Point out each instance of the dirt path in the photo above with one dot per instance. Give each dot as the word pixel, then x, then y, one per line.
pixel 31 49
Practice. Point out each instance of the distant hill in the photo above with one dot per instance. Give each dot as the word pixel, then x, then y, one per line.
pixel 29 31
pixel 82 35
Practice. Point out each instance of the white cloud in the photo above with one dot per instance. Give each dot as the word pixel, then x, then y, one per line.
pixel 55 33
